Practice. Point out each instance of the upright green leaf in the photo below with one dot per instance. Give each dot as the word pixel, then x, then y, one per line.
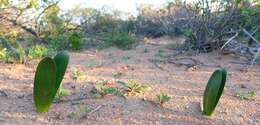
pixel 61 60
pixel 214 91
pixel 44 84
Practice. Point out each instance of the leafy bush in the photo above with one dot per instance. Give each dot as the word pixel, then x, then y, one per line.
pixel 4 55
pixel 123 40
pixel 75 40
pixel 37 51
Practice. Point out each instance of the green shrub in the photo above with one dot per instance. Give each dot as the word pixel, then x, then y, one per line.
pixel 3 54
pixel 123 40
pixel 37 51
pixel 75 40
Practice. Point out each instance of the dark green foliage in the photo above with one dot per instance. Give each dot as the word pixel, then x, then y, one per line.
pixel 48 77
pixel 214 91
pixel 61 60
pixel 123 40
pixel 37 51
pixel 102 90
pixel 75 40
pixel 44 89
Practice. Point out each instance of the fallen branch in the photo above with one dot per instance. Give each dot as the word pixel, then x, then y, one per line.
pixel 247 33
pixel 229 40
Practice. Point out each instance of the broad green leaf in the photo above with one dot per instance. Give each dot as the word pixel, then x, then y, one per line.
pixel 44 84
pixel 214 91
pixel 61 60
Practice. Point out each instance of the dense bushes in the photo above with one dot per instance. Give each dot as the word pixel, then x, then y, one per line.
pixel 207 25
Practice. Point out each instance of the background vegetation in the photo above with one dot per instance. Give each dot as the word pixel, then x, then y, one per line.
pixel 36 28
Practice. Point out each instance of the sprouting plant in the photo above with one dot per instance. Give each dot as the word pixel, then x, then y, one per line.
pixel 250 95
pixel 101 90
pixel 133 87
pixel 62 93
pixel 118 74
pixel 47 80
pixel 77 74
pixel 81 111
pixel 126 57
pixel 163 98
pixel 214 91
pixel 146 50
pixel 94 64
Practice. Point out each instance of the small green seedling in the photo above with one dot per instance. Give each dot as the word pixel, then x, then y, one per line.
pixel 82 111
pixel 163 98
pixel 77 74
pixel 100 90
pixel 133 87
pixel 214 91
pixel 47 80
pixel 118 74
pixel 62 93
pixel 146 50
pixel 250 95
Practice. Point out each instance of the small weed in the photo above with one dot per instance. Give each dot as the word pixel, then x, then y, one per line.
pixel 133 87
pixel 250 95
pixel 101 90
pixel 126 57
pixel 62 93
pixel 77 75
pixel 94 64
pixel 146 50
pixel 118 74
pixel 173 46
pixel 163 98
pixel 4 55
pixel 81 111
pixel 161 53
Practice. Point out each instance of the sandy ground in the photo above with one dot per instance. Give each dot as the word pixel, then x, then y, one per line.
pixel 148 64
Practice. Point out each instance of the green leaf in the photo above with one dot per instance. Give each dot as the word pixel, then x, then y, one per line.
pixel 44 84
pixel 61 60
pixel 213 91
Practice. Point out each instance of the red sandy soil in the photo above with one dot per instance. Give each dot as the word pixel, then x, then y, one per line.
pixel 185 85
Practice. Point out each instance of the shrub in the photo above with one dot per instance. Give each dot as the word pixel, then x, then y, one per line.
pixel 37 51
pixel 3 54
pixel 75 40
pixel 123 40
